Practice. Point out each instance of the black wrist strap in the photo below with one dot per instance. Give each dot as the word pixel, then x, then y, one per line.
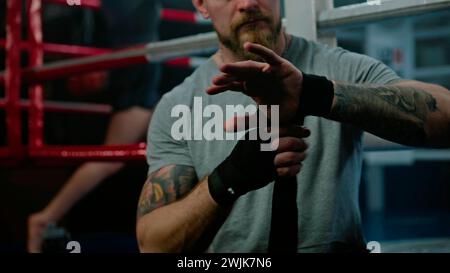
pixel 316 96
pixel 222 194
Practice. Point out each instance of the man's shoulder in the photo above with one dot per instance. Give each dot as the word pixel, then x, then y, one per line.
pixel 192 86
pixel 315 49
pixel 322 50
pixel 338 63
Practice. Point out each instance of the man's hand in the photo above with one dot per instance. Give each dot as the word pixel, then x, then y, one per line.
pixel 275 81
pixel 291 152
pixel 248 168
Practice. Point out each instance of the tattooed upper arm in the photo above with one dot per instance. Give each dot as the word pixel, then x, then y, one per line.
pixel 165 186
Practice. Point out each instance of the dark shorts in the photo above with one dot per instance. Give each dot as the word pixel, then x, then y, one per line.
pixel 135 86
pixel 130 24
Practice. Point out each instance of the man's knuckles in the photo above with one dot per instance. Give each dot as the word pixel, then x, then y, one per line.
pixel 289 171
pixel 289 159
pixel 291 144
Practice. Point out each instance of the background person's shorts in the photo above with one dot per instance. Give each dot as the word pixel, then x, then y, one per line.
pixel 135 86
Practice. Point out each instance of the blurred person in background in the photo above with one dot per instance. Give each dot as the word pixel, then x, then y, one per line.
pixel 134 93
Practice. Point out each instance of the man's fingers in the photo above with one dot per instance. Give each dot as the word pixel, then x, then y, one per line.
pixel 289 159
pixel 217 89
pixel 240 123
pixel 289 171
pixel 294 131
pixel 290 144
pixel 267 54
pixel 246 69
pixel 225 79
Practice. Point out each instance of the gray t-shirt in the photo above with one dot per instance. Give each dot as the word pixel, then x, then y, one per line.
pixel 329 181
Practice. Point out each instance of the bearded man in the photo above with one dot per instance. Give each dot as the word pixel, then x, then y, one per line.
pixel 229 196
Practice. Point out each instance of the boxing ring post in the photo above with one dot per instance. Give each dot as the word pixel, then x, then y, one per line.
pixel 36 57
pixel 13 80
pixel 301 18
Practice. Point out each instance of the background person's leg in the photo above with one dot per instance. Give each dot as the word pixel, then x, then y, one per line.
pixel 126 127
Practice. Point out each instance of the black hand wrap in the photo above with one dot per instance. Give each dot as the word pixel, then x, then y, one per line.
pixel 316 96
pixel 247 168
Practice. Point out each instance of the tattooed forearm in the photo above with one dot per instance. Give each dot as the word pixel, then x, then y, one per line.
pixel 166 186
pixel 396 113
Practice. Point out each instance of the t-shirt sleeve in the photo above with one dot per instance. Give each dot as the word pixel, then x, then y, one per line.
pixel 162 148
pixel 376 72
pixel 367 70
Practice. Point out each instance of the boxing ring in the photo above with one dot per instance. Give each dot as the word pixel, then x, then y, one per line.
pixel 83 60
pixel 172 52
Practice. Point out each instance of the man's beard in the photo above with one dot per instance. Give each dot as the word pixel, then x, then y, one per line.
pixel 242 33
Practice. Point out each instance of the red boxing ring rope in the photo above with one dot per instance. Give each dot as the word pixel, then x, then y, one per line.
pixel 64 50
pixel 67 107
pixel 136 152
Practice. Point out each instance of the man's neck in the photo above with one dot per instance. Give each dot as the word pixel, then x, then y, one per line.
pixel 224 55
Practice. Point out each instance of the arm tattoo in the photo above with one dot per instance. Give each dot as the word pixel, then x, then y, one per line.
pixel 166 186
pixel 397 113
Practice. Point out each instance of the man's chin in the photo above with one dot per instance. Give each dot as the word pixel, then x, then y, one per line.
pixel 251 57
pixel 257 38
pixel 253 34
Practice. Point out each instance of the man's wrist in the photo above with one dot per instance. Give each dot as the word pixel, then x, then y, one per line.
pixel 221 194
pixel 247 168
pixel 316 98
